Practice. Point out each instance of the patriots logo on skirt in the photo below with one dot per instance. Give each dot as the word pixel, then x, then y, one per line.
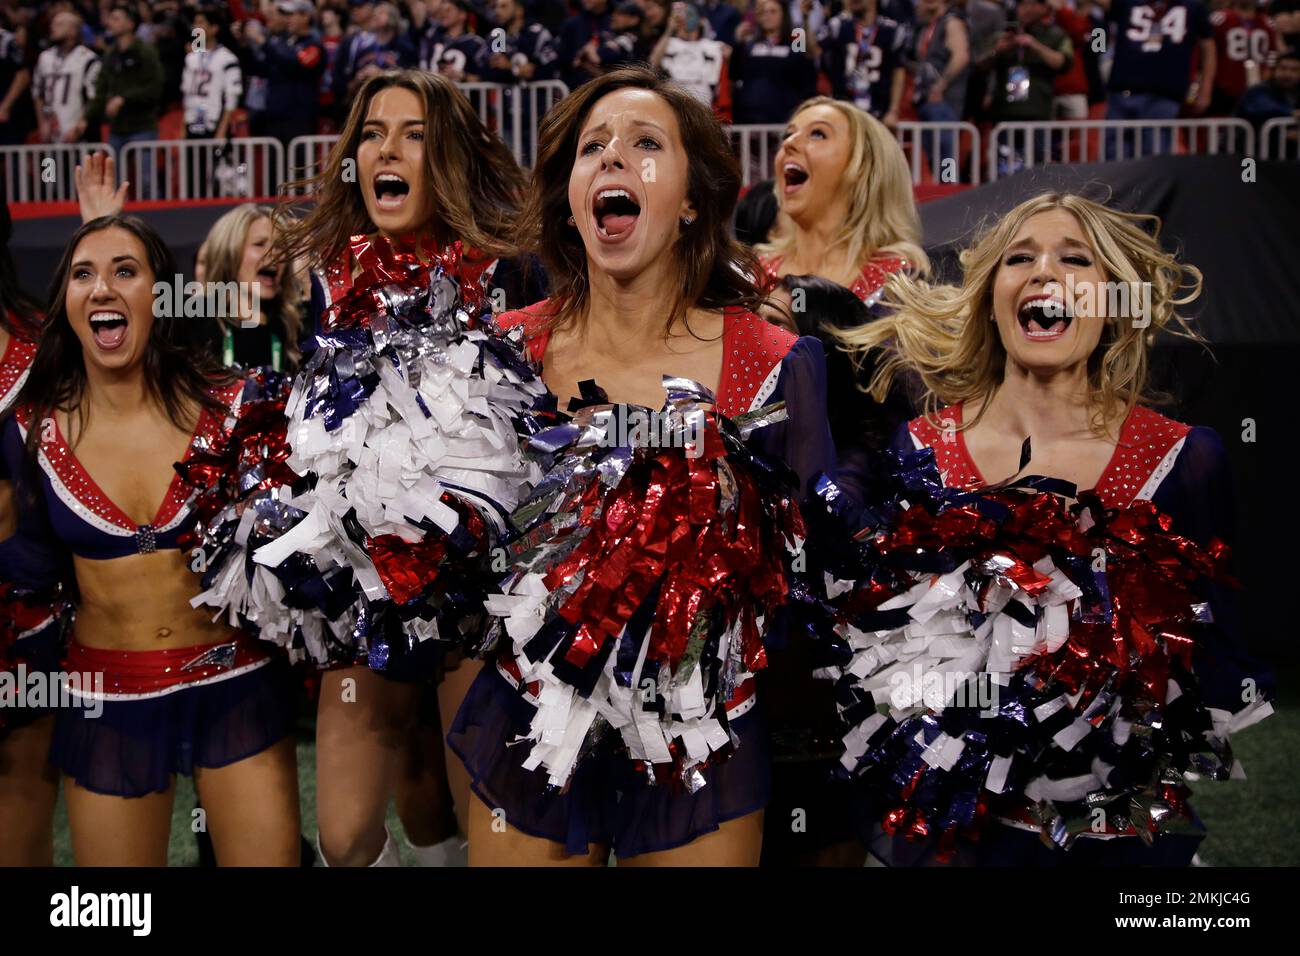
pixel 223 656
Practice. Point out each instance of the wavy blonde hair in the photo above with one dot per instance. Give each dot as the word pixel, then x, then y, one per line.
pixel 942 333
pixel 882 214
pixel 224 253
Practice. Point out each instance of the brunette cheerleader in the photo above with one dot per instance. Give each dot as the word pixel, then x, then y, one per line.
pixel 629 207
pixel 160 690
pixel 415 172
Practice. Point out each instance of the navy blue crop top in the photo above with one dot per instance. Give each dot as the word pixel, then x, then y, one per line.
pixel 79 517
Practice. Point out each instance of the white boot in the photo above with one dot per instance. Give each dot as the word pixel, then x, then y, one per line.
pixel 388 856
pixel 452 851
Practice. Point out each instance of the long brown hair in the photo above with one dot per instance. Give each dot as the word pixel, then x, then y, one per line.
pixel 714 270
pixel 179 369
pixel 474 180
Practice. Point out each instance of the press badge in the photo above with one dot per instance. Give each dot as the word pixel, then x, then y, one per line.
pixel 1017 84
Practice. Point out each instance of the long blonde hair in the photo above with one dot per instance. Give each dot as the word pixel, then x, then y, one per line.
pixel 224 253
pixel 942 333
pixel 882 214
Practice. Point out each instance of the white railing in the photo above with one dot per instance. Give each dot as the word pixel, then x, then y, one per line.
pixel 307 156
pixel 1014 146
pixel 1280 139
pixel 256 167
pixel 180 169
pixel 923 143
pixel 946 148
pixel 514 111
pixel 44 172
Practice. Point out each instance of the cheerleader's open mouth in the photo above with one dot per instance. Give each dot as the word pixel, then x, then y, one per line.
pixel 391 191
pixel 615 212
pixel 108 328
pixel 1044 318
pixel 793 177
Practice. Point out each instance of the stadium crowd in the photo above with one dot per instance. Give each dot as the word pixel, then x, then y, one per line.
pixel 80 70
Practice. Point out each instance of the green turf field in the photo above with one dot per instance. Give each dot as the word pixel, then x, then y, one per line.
pixel 1252 822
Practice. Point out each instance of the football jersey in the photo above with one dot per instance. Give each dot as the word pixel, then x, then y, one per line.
pixel 861 60
pixel 1236 40
pixel 1154 42
pixel 695 65
pixel 65 84
pixel 211 83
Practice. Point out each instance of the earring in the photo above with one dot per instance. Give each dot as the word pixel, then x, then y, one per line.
pixel 571 222
pixel 687 220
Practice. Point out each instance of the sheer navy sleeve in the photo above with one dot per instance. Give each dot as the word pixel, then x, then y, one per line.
pixel 803 441
pixel 1199 496
pixel 30 556
pixel 317 307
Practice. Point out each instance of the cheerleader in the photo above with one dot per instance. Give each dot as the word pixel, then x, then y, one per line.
pixel 857 236
pixel 155 688
pixel 629 206
pixel 265 333
pixel 414 169
pixel 1048 339
pixel 28 785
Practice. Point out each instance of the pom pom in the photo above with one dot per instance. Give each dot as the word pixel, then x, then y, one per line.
pixel 1002 653
pixel 401 423
pixel 646 564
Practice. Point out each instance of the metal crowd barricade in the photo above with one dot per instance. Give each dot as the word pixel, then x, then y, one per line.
pixel 514 111
pixel 307 156
pixel 1280 139
pixel 1015 146
pixel 179 169
pixel 755 146
pixel 941 152
pixel 44 172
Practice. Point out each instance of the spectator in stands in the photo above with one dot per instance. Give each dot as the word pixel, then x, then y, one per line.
pixel 1244 43
pixel 1286 20
pixel 292 63
pixel 128 93
pixel 235 250
pixel 1277 97
pixel 809 16
pixel 455 50
pixel 382 45
pixel 723 18
pixel 211 83
pixel 161 28
pixel 1151 75
pixel 575 35
pixel 332 35
pixel 942 57
pixel 1028 58
pixel 1070 99
pixel 653 24
pixel 523 50
pixel 17 114
pixel 769 76
pixel 693 61
pixel 986 21
pixel 616 46
pixel 64 82
pixel 862 55
pixel 212 86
